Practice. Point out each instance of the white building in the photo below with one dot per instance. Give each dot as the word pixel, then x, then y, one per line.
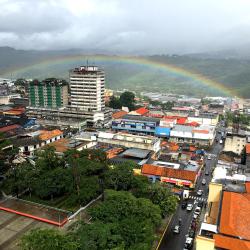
pixel 87 86
pixel 203 135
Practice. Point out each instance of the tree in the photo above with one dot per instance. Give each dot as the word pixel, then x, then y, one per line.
pixel 115 102
pixel 53 183
pixel 48 159
pixel 97 236
pixel 127 99
pixel 120 205
pixel 159 195
pixel 49 239
pixel 119 177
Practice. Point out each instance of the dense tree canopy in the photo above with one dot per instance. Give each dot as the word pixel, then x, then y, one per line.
pixel 126 99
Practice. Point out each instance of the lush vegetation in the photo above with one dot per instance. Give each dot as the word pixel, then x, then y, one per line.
pixel 235 118
pixel 126 219
pixel 126 99
pixel 75 177
pixel 232 73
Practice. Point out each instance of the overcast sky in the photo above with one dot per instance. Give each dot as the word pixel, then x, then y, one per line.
pixel 128 26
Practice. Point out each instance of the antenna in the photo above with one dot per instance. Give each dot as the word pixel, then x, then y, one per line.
pixel 87 63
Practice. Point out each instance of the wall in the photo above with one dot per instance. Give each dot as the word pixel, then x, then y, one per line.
pixel 214 192
pixel 234 144
pixel 203 243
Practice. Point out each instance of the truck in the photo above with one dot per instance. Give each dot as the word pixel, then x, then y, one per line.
pixel 185 194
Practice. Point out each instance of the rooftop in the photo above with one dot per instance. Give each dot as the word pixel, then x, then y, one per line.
pixel 136 153
pixel 140 118
pixel 46 135
pixel 182 174
pixel 235 219
pixel 119 114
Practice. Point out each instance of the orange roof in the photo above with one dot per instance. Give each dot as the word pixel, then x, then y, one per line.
pixel 152 170
pixel 119 114
pixel 201 131
pixel 230 243
pixel 247 184
pixel 193 124
pixel 181 120
pixel 248 148
pixel 46 135
pixel 142 111
pixel 169 172
pixel 235 219
pixel 9 128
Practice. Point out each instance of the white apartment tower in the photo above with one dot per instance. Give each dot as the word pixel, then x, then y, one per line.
pixel 87 86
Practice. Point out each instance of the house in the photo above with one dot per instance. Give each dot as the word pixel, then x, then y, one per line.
pixel 170 174
pixel 227 219
pixel 30 142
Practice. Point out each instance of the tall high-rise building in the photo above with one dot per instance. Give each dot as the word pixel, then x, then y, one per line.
pixel 87 86
pixel 51 93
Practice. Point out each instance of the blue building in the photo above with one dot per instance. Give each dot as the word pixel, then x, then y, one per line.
pixel 136 124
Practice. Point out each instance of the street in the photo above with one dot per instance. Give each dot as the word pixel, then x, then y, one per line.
pixel 173 241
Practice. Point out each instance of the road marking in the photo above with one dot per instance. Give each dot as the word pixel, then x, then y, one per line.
pixel 197 198
pixel 164 233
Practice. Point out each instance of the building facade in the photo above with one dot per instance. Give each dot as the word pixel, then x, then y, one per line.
pixel 87 87
pixel 51 93
pixel 136 124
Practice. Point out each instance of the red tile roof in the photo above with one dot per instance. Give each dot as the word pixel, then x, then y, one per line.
pixel 9 128
pixel 181 120
pixel 235 219
pixel 119 114
pixel 193 124
pixel 248 148
pixel 142 111
pixel 47 135
pixel 169 172
pixel 230 243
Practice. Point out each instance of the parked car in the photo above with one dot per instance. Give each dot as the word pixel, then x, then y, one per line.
pixel 184 204
pixel 176 229
pixel 203 182
pixel 200 204
pixel 197 210
pixel 189 207
pixel 188 243
pixel 195 216
pixel 199 192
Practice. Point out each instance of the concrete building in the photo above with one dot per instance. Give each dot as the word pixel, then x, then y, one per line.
pixel 87 87
pixel 203 135
pixel 204 118
pixel 130 141
pixel 235 143
pixel 136 124
pixel 51 92
pixel 226 222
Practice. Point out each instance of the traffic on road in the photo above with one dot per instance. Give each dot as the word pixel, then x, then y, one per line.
pixel 185 223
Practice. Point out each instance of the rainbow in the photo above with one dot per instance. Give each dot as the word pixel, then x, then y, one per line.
pixel 168 68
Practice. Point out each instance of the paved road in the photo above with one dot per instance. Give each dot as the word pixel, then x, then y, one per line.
pixel 173 241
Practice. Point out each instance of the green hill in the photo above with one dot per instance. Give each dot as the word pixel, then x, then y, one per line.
pixel 232 73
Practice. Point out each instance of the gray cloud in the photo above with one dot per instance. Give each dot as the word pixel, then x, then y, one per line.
pixel 160 26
